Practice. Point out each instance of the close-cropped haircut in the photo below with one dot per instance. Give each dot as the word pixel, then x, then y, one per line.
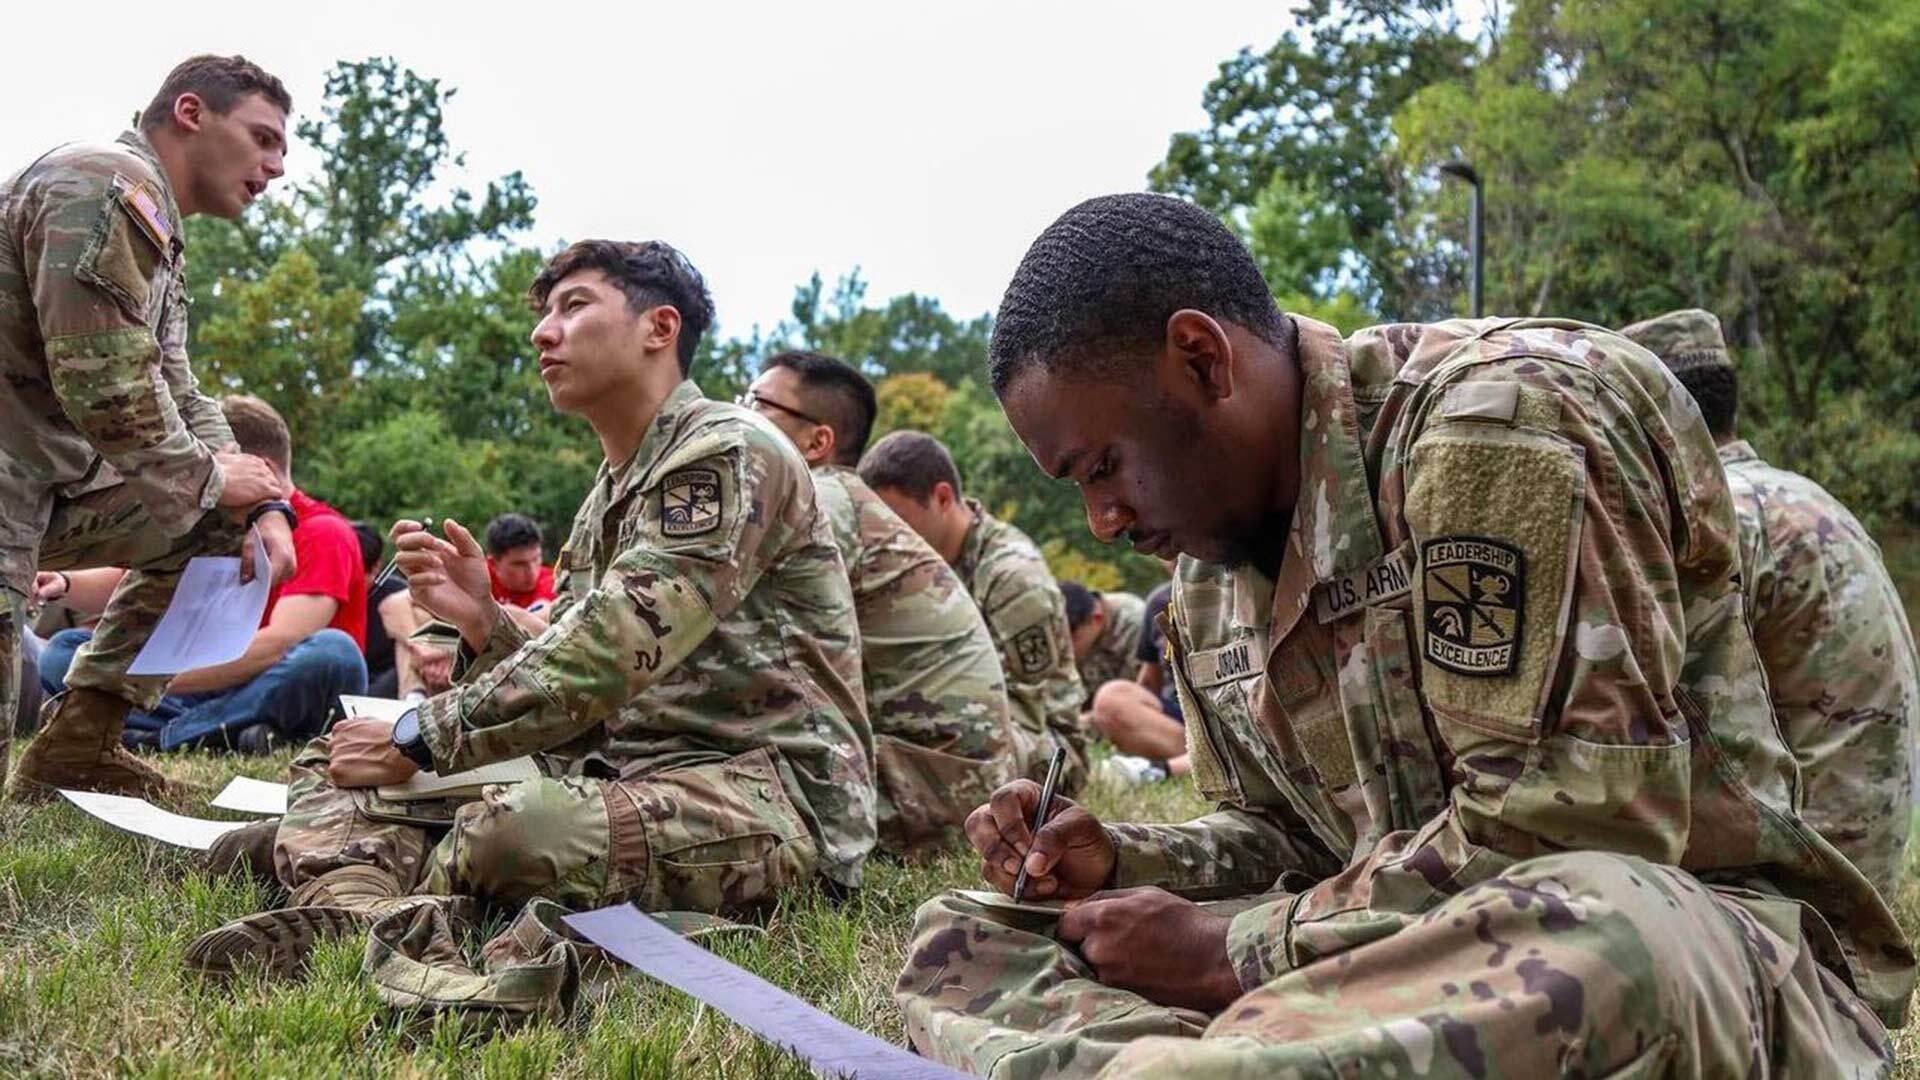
pixel 843 397
pixel 649 272
pixel 1079 600
pixel 509 531
pixel 218 81
pixel 1102 281
pixel 911 462
pixel 259 429
pixel 372 545
pixel 1717 392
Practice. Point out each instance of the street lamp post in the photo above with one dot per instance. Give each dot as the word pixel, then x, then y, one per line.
pixel 1476 224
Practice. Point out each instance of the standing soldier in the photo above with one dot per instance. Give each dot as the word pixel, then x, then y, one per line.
pixel 1829 624
pixel 1009 581
pixel 109 453
pixel 943 735
pixel 694 704
pixel 1460 644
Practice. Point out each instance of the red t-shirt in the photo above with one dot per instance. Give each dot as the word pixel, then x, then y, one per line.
pixel 329 557
pixel 543 590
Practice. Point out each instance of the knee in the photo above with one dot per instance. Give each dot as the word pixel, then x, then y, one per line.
pixel 56 656
pixel 331 656
pixel 1111 703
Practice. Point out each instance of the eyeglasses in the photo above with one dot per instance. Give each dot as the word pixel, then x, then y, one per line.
pixel 756 402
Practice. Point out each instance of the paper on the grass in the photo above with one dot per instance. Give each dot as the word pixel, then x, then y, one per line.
pixel 427 785
pixel 211 618
pixel 142 818
pixel 380 708
pixel 252 796
pixel 1008 903
pixel 831 1046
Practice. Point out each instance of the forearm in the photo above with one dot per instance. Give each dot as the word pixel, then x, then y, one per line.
pixel 1227 853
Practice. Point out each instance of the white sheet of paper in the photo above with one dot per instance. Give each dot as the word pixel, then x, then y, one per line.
pixel 426 785
pixel 384 708
pixel 211 618
pixel 251 796
pixel 142 818
pixel 833 1047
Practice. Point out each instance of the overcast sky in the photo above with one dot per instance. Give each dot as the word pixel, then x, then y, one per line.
pixel 926 144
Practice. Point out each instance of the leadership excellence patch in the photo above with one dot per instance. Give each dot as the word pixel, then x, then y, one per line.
pixel 1033 650
pixel 1475 592
pixel 690 503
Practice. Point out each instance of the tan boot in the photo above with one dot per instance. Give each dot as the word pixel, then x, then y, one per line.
pixel 335 904
pixel 248 849
pixel 78 747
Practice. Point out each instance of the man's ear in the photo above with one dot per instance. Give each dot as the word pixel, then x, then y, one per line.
pixel 824 439
pixel 1200 354
pixel 663 328
pixel 189 111
pixel 942 496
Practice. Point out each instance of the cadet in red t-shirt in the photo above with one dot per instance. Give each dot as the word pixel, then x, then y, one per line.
pixel 514 563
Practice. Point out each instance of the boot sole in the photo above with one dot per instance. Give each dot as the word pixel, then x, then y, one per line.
pixel 279 941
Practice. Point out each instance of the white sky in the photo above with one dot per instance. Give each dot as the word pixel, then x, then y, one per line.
pixel 926 145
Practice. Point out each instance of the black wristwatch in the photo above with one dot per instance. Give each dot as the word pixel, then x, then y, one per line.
pixel 408 740
pixel 274 506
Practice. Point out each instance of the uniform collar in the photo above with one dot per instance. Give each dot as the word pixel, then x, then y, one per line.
pixel 1335 530
pixel 136 142
pixel 1737 451
pixel 661 431
pixel 976 539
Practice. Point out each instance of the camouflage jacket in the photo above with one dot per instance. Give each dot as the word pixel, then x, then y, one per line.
pixel 1023 607
pixel 932 676
pixel 1115 653
pixel 1526 636
pixel 94 384
pixel 1839 655
pixel 703 612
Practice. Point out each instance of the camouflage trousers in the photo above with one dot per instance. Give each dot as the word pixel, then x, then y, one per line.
pixel 108 527
pixel 712 837
pixel 1584 964
pixel 925 795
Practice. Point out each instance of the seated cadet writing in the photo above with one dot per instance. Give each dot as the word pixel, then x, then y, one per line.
pixel 1460 645
pixel 695 702
pixel 1010 583
pixel 943 737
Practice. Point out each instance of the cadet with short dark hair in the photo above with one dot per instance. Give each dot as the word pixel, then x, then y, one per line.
pixel 1008 580
pixel 1105 628
pixel 694 706
pixel 943 735
pixel 1459 641
pixel 1830 625
pixel 109 453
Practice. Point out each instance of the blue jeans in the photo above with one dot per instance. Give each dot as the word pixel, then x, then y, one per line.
pixel 295 695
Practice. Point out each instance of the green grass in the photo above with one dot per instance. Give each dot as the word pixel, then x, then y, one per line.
pixel 93 924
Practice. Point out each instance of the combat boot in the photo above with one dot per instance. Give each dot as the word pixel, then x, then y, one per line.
pixel 337 903
pixel 78 747
pixel 248 849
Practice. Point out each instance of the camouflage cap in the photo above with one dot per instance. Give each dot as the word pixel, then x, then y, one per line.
pixel 1684 340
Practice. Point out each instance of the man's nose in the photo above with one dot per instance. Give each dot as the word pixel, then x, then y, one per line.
pixel 1108 519
pixel 545 333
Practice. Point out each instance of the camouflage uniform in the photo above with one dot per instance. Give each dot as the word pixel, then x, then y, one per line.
pixel 1501 794
pixel 935 694
pixel 1831 630
pixel 695 702
pixel 106 442
pixel 1022 603
pixel 1115 653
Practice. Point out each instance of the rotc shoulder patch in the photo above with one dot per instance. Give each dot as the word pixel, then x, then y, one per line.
pixel 1476 591
pixel 690 502
pixel 1032 650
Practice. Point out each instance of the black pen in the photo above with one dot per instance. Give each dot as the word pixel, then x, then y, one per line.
pixel 425 523
pixel 1040 813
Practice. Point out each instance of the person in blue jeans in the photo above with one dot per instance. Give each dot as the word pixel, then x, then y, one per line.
pixel 289 701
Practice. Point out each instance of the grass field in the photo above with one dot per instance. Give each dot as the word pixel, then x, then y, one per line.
pixel 93 923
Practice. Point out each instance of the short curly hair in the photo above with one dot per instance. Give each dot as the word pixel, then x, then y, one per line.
pixel 1106 276
pixel 650 272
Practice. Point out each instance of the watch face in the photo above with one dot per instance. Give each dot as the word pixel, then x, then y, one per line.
pixel 407 728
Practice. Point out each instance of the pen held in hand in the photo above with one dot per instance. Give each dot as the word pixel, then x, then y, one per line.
pixel 1040 815
pixel 394 563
